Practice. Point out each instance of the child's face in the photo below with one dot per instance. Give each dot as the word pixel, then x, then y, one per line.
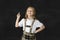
pixel 30 11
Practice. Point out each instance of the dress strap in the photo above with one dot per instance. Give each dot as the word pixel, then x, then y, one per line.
pixel 31 25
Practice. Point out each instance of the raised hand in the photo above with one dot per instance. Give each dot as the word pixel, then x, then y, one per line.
pixel 17 20
pixel 18 15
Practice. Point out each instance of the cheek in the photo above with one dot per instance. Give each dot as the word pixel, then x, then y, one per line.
pixel 32 13
pixel 28 13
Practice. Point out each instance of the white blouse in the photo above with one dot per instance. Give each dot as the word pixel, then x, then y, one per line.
pixel 36 24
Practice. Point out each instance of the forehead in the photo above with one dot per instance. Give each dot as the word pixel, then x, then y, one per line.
pixel 30 8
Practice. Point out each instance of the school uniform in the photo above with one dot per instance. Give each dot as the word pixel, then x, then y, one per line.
pixel 26 24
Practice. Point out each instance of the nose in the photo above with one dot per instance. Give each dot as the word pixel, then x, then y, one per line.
pixel 30 11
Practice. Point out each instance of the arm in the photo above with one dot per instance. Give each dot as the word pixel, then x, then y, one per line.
pixel 17 20
pixel 40 29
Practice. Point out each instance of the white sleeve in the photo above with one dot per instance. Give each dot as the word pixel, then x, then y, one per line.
pixel 21 23
pixel 38 23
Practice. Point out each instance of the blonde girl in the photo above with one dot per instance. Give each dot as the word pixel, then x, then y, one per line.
pixel 29 24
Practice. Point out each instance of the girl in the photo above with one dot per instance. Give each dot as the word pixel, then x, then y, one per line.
pixel 29 24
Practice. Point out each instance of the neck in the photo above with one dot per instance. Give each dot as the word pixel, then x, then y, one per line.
pixel 30 17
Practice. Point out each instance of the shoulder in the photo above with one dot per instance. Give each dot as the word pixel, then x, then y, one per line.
pixel 22 19
pixel 37 20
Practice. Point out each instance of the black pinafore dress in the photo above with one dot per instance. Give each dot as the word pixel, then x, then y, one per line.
pixel 28 36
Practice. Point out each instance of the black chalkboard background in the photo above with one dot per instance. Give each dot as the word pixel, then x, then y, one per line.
pixel 48 12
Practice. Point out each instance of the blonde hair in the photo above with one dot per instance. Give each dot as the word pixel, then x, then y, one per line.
pixel 26 16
